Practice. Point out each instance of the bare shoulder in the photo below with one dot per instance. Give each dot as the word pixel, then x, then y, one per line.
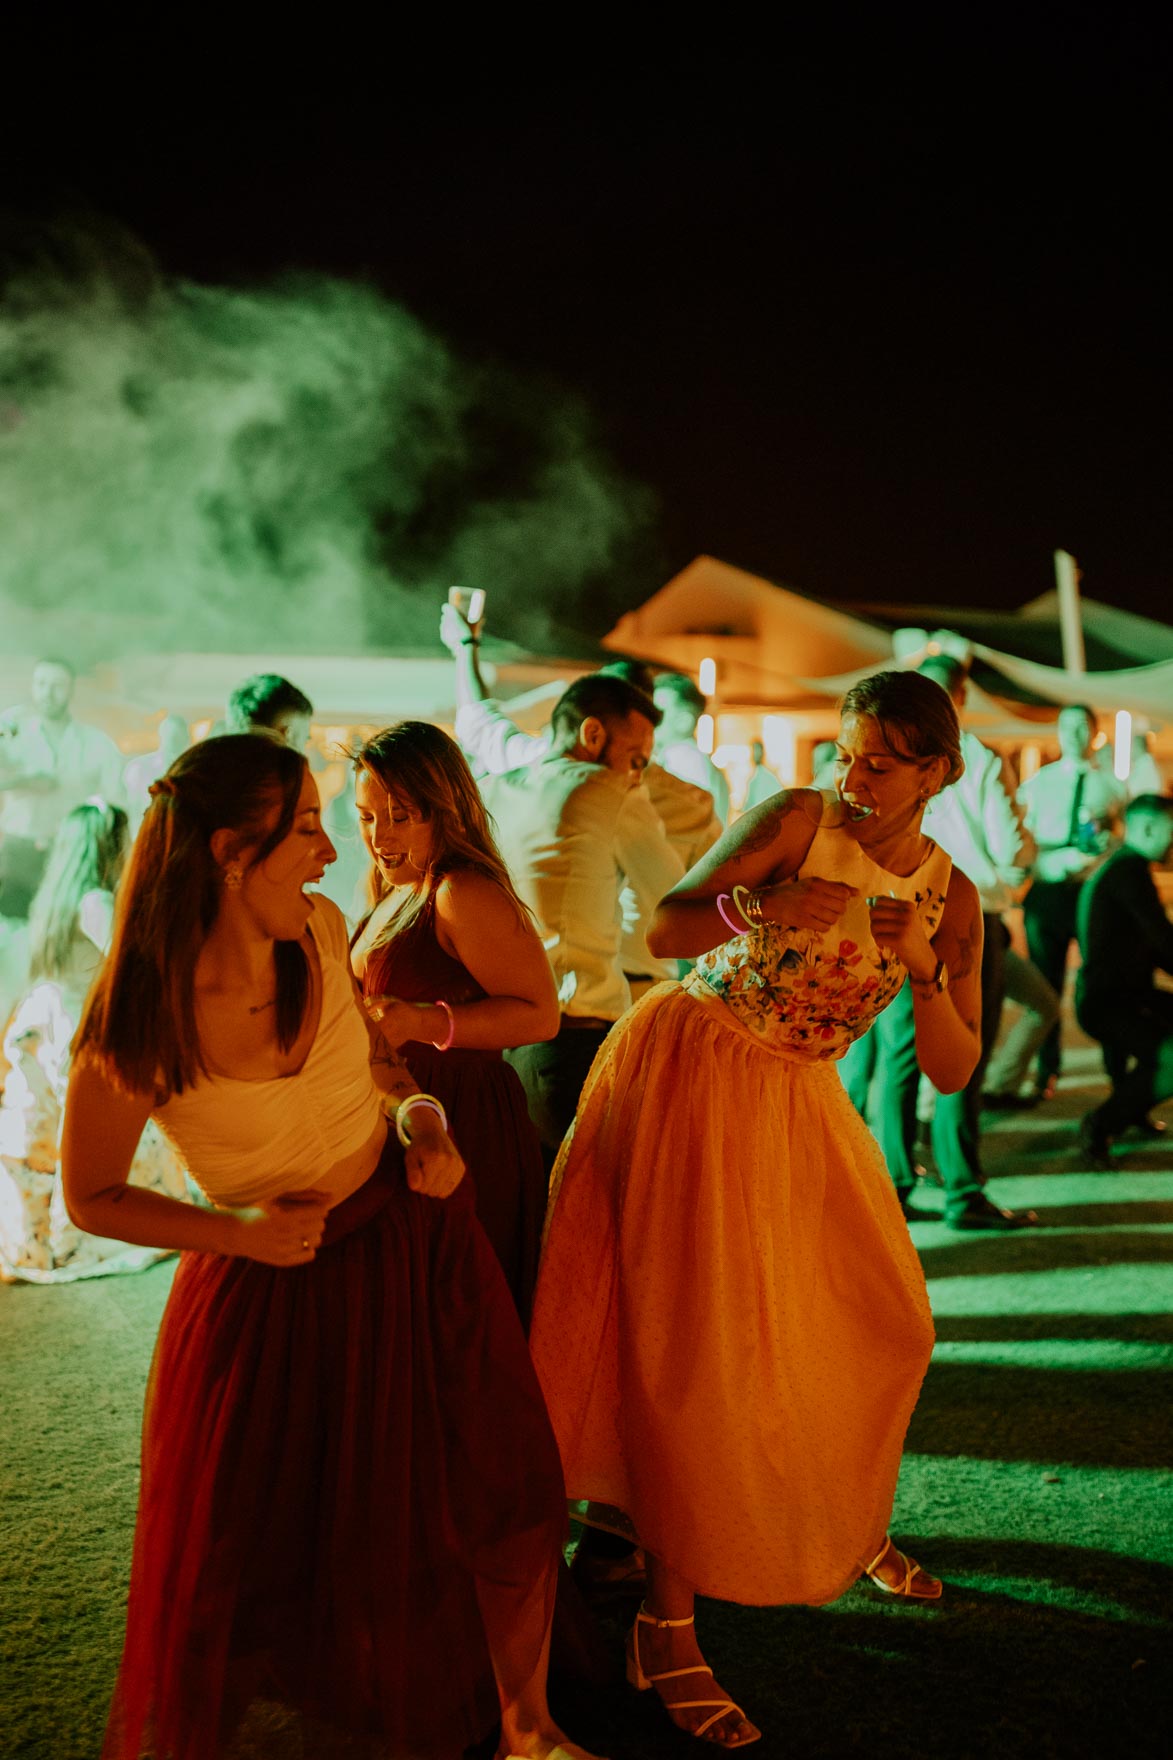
pixel 963 902
pixel 763 825
pixel 470 897
pixel 92 1083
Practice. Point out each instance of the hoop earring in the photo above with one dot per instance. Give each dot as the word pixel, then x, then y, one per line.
pixel 233 877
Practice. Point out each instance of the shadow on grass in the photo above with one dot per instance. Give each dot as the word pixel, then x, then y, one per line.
pixel 1006 1328
pixel 1041 1251
pixel 1039 1650
pixel 1085 1417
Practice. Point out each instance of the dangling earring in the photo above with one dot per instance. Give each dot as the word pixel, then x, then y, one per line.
pixel 233 875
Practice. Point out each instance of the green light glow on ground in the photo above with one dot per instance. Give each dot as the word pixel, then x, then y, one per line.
pixel 1036 1482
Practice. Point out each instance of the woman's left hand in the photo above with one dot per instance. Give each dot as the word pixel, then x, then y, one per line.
pixel 434 1165
pixel 896 925
pixel 399 1021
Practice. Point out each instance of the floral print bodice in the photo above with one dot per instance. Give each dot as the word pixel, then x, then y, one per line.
pixel 813 992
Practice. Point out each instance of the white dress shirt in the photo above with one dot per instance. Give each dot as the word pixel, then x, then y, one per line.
pixel 685 759
pixel 570 833
pixel 979 823
pixel 656 834
pixel 1049 798
pixel 83 760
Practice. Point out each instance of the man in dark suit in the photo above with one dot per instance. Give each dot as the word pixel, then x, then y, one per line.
pixel 1125 937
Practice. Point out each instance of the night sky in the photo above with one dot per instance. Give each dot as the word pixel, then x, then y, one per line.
pixel 885 319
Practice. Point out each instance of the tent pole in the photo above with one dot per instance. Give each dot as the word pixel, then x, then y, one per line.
pixel 1070 620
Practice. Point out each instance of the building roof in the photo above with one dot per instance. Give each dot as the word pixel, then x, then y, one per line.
pixel 777 647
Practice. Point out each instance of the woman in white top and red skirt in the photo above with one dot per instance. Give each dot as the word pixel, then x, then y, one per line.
pixel 351 1499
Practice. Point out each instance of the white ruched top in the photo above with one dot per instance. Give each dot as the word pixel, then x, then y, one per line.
pixel 243 1140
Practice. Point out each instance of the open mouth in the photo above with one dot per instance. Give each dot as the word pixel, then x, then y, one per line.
pixel 392 861
pixel 857 812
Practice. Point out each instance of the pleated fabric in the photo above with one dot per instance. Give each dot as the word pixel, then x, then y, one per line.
pixel 731 1324
pixel 350 1490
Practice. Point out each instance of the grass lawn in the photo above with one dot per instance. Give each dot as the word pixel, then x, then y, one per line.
pixel 1037 1482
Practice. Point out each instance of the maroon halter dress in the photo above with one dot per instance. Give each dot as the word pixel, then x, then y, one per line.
pixel 482 1096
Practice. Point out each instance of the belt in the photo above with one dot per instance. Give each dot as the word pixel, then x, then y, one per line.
pixel 594 1022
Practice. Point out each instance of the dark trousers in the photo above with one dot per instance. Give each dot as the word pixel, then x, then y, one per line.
pixel 885 1059
pixel 956 1117
pixel 882 1065
pixel 1049 917
pixel 553 1074
pixel 1136 1035
pixel 22 864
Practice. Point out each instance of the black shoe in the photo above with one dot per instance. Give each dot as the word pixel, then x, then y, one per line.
pixel 913 1211
pixel 979 1214
pixel 1011 1102
pixel 1095 1145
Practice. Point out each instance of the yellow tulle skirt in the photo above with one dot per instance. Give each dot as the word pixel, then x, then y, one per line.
pixel 731 1325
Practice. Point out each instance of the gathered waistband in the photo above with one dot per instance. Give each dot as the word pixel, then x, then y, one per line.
pixel 695 986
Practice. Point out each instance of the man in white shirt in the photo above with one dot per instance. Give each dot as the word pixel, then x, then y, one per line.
pixel 681 706
pixel 494 744
pixel 978 824
pixel 1072 809
pixel 174 739
pixel 49 764
pixel 560 831
pixel 763 784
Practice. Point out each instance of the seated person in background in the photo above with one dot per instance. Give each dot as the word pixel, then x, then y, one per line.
pixel 69 931
pixel 268 702
pixel 1125 937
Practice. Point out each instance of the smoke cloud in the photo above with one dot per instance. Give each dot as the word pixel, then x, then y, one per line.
pixel 301 467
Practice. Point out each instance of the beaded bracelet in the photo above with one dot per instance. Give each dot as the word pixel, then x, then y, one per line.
pixel 401 1111
pixel 443 1044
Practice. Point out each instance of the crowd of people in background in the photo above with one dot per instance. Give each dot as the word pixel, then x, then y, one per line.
pixel 350 1060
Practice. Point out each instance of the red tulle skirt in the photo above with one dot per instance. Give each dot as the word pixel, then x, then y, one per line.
pixel 350 1490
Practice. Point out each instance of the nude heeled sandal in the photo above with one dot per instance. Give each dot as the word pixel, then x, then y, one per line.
pixel 906 1590
pixel 721 1707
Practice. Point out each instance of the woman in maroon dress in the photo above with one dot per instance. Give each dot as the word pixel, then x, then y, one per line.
pixel 351 1499
pixel 454 972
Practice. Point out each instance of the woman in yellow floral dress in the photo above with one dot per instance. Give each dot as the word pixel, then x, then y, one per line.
pixel 731 1325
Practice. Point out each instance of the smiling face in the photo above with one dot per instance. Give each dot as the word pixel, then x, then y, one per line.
pixel 272 890
pixel 880 788
pixel 397 837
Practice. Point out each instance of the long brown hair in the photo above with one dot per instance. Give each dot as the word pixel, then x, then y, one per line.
pixel 88 854
pixel 140 1016
pixel 420 764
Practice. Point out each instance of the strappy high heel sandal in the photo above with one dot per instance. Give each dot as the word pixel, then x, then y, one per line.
pixel 917 1584
pixel 720 1708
